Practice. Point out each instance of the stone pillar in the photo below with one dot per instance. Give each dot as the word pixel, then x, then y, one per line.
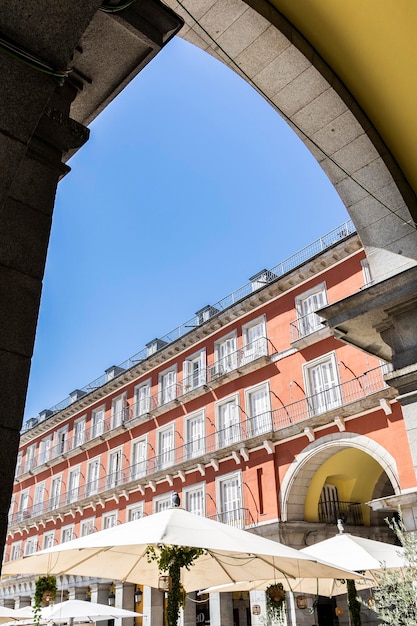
pixel 153 607
pixel 189 613
pixel 221 609
pixel 258 597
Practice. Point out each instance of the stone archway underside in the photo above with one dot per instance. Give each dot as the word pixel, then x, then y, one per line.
pixel 305 92
pixel 298 478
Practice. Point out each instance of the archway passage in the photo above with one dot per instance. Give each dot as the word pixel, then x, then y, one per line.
pixel 329 76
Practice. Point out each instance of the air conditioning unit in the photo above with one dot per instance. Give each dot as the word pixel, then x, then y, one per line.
pixel 216 371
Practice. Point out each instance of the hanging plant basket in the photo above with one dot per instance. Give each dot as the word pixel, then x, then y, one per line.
pixel 275 603
pixel 45 593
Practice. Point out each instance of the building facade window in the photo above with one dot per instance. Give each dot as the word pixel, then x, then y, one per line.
pixel 194 499
pixel 97 422
pixel 194 435
pixel 306 306
pixel 31 545
pixel 55 495
pixel 167 386
pixel 142 398
pixel 74 477
pixel 230 500
pixel 16 551
pixel 24 505
pixel 136 511
pixel 48 539
pixel 139 457
pixel 166 449
pixel 194 371
pixel 19 463
pixel 45 450
pixel 79 432
pixel 258 405
pixel 87 526
pixel 254 340
pixel 114 475
pixel 39 498
pixel 60 441
pixel 109 520
pixel 225 351
pixel 228 422
pixel 30 458
pixel 67 533
pixel 322 384
pixel 93 477
pixel 119 411
pixel 162 503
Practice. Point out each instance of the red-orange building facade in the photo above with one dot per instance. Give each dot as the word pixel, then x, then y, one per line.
pixel 256 417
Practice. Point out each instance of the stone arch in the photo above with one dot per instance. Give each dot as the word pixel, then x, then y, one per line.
pixel 299 475
pixel 275 59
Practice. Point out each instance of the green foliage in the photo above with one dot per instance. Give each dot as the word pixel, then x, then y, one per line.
pixel 275 603
pixel 43 584
pixel 170 560
pixel 395 597
pixel 353 603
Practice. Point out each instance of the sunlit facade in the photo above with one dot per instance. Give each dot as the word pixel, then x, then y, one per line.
pixel 252 412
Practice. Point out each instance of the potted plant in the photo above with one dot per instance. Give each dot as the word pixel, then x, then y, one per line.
pixel 45 592
pixel 275 603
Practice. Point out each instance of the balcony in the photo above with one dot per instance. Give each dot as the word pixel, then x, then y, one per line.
pixel 307 330
pixel 242 361
pixel 347 399
pixel 330 511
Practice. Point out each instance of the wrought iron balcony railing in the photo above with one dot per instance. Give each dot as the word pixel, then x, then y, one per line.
pixel 241 432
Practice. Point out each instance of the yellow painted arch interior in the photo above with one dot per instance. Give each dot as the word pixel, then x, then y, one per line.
pixel 346 471
pixel 372 46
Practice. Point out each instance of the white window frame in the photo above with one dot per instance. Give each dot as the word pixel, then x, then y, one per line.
pixel 308 322
pixel 44 453
pixel 167 391
pixel 98 421
pixel 142 395
pixel 24 509
pixel 254 347
pixel 195 434
pixel 79 431
pixel 48 539
pixel 229 428
pixel 60 441
pixel 87 526
pixel 327 396
pixel 192 494
pixel 30 457
pixel 74 483
pixel 230 511
pixel 67 533
pixel 260 421
pixel 93 481
pixel 135 511
pixel 119 410
pixel 109 520
pixel 162 503
pixel 31 545
pixel 55 492
pixel 366 272
pixel 194 371
pixel 139 463
pixel 39 498
pixel 114 467
pixel 165 457
pixel 225 351
pixel 16 550
pixel 19 463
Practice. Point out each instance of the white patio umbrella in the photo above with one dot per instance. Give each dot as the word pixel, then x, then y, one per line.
pixel 7 615
pixel 81 610
pixel 120 553
pixel 358 554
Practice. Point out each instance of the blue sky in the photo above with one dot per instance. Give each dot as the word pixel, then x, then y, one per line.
pixel 190 184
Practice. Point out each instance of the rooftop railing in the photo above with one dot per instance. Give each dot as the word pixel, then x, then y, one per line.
pixel 299 258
